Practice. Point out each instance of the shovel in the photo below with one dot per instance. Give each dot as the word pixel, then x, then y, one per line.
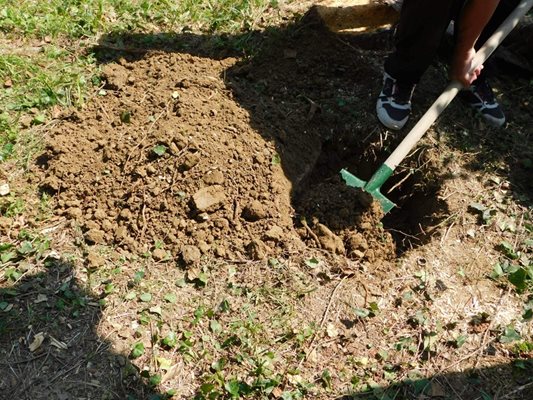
pixel 373 186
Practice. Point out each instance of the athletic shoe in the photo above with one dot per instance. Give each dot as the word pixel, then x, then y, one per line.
pixel 394 102
pixel 481 98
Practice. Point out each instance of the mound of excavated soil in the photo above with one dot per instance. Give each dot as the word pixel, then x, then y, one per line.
pixel 197 155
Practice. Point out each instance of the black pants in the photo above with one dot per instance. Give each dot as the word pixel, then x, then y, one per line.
pixel 422 26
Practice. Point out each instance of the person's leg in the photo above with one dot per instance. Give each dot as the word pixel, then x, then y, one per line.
pixel 418 36
pixel 480 95
pixel 505 7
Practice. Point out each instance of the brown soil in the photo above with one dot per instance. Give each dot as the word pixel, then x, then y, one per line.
pixel 240 142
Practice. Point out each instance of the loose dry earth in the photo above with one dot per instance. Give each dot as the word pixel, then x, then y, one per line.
pixel 216 175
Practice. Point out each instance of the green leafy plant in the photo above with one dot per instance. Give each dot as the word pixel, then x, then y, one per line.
pixel 159 150
pixel 137 350
pixel 509 335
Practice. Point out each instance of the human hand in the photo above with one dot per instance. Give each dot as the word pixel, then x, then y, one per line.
pixel 462 70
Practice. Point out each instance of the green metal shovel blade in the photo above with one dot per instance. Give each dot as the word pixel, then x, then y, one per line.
pixel 373 186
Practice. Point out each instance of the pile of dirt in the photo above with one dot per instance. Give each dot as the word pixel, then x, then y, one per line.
pixel 190 154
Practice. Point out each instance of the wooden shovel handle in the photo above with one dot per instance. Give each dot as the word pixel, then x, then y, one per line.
pixel 453 88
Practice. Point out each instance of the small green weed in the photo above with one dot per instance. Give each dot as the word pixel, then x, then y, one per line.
pixel 519 274
pixel 523 348
pixel 509 335
pixel 11 206
pixel 28 246
pixel 8 135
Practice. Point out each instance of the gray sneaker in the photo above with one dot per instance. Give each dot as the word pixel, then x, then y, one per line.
pixel 394 102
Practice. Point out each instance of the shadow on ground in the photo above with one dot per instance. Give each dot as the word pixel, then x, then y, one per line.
pixel 313 92
pixel 75 362
pixel 50 347
pixel 479 384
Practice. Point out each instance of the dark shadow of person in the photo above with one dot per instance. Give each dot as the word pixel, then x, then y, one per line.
pixel 501 381
pixel 50 347
pixel 312 93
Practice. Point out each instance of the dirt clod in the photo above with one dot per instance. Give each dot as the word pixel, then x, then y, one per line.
pixel 5 222
pixel 190 161
pixel 95 236
pixel 257 250
pixel 232 179
pixel 115 76
pixel 75 212
pixel 254 211
pixel 214 178
pixel 190 255
pixel 356 244
pixel 159 254
pixel 275 233
pixel 95 260
pixel 209 198
pixel 329 241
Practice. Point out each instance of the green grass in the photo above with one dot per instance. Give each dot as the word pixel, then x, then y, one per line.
pixel 77 19
pixel 8 135
pixel 45 79
pixel 34 83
